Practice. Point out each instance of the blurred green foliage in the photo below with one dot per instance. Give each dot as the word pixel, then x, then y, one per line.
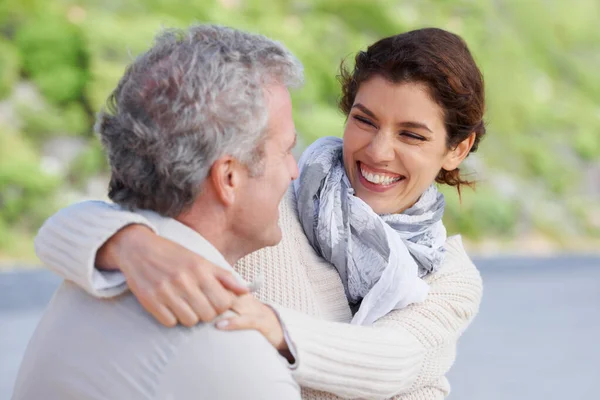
pixel 485 214
pixel 540 60
pixel 54 57
pixel 26 191
pixel 9 67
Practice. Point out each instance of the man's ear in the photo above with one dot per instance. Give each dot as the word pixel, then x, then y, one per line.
pixel 225 177
pixel 456 155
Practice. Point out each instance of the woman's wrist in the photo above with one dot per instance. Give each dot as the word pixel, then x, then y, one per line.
pixel 108 257
pixel 285 347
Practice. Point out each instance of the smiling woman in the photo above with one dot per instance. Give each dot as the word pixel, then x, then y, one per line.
pixel 395 144
pixel 415 105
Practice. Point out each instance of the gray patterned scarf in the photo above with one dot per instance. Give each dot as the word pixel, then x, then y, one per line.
pixel 380 258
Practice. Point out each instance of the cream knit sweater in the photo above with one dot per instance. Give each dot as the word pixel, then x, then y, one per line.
pixel 404 355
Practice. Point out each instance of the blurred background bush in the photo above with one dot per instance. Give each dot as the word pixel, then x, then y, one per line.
pixel 538 168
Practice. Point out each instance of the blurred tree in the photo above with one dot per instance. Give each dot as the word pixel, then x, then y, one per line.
pixel 55 57
pixel 540 60
pixel 9 67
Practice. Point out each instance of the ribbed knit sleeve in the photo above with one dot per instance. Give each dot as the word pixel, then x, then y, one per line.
pixel 404 353
pixel 68 241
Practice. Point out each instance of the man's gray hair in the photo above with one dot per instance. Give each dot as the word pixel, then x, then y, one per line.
pixel 195 96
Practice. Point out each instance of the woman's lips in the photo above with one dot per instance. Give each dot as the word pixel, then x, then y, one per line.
pixel 377 180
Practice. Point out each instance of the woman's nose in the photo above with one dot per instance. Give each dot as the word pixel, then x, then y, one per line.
pixel 381 149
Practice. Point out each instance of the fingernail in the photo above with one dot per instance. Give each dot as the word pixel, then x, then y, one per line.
pixel 222 324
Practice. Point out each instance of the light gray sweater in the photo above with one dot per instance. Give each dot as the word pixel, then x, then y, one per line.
pixel 87 348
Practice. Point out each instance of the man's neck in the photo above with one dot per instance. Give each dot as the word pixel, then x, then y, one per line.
pixel 213 226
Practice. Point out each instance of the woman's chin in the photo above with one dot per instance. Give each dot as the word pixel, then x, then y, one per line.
pixel 379 205
pixel 384 202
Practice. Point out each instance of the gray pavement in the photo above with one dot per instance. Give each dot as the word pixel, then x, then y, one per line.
pixel 536 337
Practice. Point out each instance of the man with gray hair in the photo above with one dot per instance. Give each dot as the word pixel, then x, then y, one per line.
pixel 199 134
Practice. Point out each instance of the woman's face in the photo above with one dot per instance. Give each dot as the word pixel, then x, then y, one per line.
pixel 395 144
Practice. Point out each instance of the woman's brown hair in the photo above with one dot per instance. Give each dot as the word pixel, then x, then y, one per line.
pixel 442 61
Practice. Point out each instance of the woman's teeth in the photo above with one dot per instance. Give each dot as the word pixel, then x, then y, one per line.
pixel 379 179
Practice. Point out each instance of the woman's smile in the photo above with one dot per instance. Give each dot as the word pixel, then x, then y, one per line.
pixel 377 180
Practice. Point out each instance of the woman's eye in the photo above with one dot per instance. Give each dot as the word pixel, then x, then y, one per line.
pixel 410 135
pixel 363 120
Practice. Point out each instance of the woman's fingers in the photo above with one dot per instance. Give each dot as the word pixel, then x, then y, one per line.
pixel 200 305
pixel 231 283
pixel 237 323
pixel 162 314
pixel 150 300
pixel 219 298
pixel 253 314
pixel 183 312
pixel 248 309
pixel 178 305
pixel 169 280
pixel 246 304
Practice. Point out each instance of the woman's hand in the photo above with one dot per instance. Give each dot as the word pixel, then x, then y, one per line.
pixel 171 282
pixel 253 314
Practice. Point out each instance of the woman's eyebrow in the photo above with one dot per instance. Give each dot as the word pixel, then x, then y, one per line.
pixel 365 110
pixel 415 125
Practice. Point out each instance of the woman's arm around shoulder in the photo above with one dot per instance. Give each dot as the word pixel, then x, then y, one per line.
pixel 69 240
pixel 404 352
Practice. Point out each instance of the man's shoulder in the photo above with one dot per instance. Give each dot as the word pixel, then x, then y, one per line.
pixel 211 359
pixel 123 320
pixel 118 325
pixel 81 338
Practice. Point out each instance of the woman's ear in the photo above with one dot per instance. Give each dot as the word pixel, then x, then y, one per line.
pixel 225 178
pixel 456 155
